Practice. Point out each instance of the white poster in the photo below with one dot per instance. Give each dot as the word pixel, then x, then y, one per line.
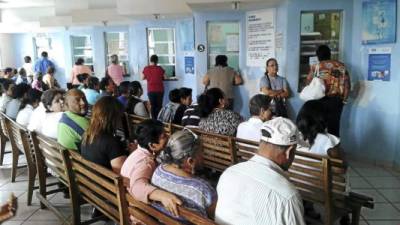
pixel 232 42
pixel 260 37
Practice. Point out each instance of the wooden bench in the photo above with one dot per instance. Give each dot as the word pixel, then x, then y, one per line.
pixel 48 154
pixel 20 142
pixel 96 185
pixel 320 180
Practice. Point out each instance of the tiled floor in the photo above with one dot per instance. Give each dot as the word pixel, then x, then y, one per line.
pixel 381 184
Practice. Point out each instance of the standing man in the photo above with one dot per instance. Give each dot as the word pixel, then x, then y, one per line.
pixel 43 64
pixel 223 77
pixel 258 191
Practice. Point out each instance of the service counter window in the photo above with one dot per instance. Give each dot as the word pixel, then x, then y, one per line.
pixel 161 42
pixel 42 43
pixel 223 39
pixel 82 48
pixel 318 28
pixel 116 43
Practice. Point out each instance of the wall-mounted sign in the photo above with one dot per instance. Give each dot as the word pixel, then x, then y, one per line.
pixel 379 64
pixel 201 48
pixel 260 37
pixel 189 64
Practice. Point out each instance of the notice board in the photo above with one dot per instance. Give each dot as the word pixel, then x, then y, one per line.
pixel 260 37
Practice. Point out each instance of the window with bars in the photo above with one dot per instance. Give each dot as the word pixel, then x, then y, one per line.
pixel 161 42
pixel 42 43
pixel 82 48
pixel 116 43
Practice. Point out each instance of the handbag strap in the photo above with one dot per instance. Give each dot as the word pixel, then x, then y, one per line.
pixel 316 71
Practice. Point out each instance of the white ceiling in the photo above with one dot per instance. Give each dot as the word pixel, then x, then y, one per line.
pixel 18 15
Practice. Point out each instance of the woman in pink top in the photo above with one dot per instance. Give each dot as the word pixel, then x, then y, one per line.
pixel 115 71
pixel 77 69
pixel 140 165
pixel 155 87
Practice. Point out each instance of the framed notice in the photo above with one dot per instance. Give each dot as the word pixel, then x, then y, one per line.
pixel 260 37
pixel 379 64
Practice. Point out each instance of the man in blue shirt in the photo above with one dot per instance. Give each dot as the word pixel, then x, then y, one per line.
pixel 42 64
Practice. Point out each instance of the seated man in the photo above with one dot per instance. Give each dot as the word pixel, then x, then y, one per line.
pixel 260 112
pixel 262 193
pixel 73 122
pixel 167 112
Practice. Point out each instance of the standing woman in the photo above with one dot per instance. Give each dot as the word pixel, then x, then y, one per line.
pixel 275 87
pixel 155 88
pixel 78 68
pixel 100 144
pixel 115 71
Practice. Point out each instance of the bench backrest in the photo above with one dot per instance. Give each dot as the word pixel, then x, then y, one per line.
pixel 218 150
pixel 151 216
pixel 97 185
pixel 49 154
pixel 19 138
pixel 3 128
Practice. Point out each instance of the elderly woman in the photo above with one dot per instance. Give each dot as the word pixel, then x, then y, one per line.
pixel 175 174
pixel 214 117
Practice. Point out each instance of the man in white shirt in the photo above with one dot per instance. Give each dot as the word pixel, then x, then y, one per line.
pixel 258 191
pixel 28 68
pixel 260 112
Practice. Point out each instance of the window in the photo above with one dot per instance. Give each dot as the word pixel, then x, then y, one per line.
pixel 223 39
pixel 161 42
pixel 42 43
pixel 82 48
pixel 318 28
pixel 117 44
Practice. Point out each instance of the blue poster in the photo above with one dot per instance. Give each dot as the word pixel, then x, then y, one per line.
pixel 379 66
pixel 189 64
pixel 379 21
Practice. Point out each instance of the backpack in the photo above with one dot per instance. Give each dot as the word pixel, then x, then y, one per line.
pixel 167 113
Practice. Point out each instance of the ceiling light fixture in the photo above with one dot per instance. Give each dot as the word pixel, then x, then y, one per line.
pixel 105 22
pixel 235 5
pixel 156 16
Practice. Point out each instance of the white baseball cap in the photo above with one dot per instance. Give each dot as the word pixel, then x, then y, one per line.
pixel 279 131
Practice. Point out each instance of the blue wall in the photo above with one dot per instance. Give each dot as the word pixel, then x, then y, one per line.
pixel 370 122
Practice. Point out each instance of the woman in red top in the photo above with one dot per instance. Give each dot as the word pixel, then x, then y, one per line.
pixel 155 88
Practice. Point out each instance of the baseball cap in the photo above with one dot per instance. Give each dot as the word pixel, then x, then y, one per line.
pixel 279 131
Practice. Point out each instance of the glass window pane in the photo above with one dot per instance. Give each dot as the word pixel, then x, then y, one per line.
pixel 217 36
pixel 117 44
pixel 161 42
pixel 318 28
pixel 82 48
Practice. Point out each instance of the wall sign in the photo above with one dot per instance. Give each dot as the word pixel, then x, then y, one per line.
pixel 260 37
pixel 201 48
pixel 189 65
pixel 379 64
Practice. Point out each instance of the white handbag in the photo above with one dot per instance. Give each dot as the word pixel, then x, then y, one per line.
pixel 314 90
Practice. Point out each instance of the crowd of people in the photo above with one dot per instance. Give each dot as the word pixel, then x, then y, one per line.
pixel 165 171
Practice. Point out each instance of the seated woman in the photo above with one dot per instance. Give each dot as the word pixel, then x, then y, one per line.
pixel 29 103
pixel 214 117
pixel 140 165
pixel 45 118
pixel 312 123
pixel 175 174
pixel 136 105
pixel 18 93
pixel 49 78
pixel 99 143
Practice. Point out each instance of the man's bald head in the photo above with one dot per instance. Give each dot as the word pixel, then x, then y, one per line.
pixel 75 101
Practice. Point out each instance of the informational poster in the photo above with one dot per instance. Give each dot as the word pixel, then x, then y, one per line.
pixel 260 37
pixel 232 42
pixel 189 65
pixel 379 64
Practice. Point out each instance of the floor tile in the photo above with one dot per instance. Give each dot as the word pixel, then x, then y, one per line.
pixel 378 198
pixel 373 172
pixel 59 199
pixel 42 223
pixel 381 211
pixel 397 205
pixel 5 195
pixel 359 183
pixel 35 201
pixel 384 222
pixel 24 212
pixel 11 222
pixel 392 195
pixel 43 215
pixel 352 172
pixel 17 186
pixel 384 182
